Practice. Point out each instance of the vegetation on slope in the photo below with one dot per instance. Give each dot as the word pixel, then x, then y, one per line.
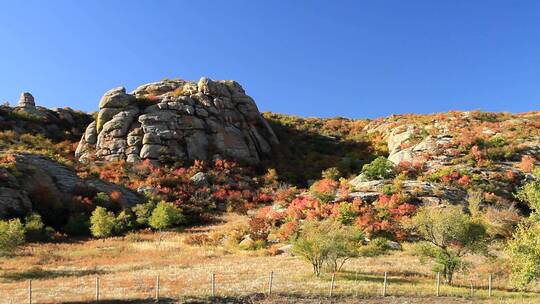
pixel 483 157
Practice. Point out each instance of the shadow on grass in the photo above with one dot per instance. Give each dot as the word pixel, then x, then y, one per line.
pixel 253 298
pixel 37 273
pixel 373 277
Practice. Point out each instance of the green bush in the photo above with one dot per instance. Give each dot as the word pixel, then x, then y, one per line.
pixel 380 168
pixel 77 225
pixel 331 173
pixel 165 215
pixel 35 229
pixel 125 222
pixel 102 223
pixel 101 199
pixel 143 212
pixel 12 235
pixel 347 214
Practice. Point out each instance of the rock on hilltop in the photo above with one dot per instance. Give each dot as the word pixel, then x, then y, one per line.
pixel 57 124
pixel 180 120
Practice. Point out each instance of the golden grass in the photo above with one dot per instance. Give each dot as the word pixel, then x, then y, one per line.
pixel 128 268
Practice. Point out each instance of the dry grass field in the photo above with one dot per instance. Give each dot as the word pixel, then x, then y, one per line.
pixel 128 269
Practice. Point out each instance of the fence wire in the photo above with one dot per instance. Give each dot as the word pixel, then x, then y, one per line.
pixel 178 284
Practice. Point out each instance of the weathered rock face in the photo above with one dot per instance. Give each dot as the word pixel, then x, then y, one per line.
pixel 26 101
pixel 43 175
pixel 178 119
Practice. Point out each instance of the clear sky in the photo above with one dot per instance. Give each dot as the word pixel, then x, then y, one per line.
pixel 313 58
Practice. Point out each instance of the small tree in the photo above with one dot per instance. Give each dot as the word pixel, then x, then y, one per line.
pixel 380 168
pixel 327 242
pixel 11 236
pixel 165 215
pixel 102 223
pixel 524 253
pixel 449 234
pixel 524 248
pixel 346 242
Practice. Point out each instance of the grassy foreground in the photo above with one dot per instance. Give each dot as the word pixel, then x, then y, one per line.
pixel 128 269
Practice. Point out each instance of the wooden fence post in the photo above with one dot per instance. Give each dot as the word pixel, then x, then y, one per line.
pixel 270 281
pixel 438 283
pixel 489 285
pixel 332 284
pixel 472 289
pixel 97 289
pixel 29 291
pixel 213 284
pixel 356 283
pixel 384 285
pixel 157 288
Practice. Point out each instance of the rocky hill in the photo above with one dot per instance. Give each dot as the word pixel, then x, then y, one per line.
pixel 453 157
pixel 37 168
pixel 175 120
pixel 149 141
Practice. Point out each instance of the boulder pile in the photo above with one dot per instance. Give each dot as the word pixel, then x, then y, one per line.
pixel 179 120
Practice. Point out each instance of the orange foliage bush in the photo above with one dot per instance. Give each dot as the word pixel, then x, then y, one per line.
pixel 527 163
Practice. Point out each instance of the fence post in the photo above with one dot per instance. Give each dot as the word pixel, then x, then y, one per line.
pixel 30 291
pixel 472 289
pixel 213 284
pixel 332 284
pixel 157 288
pixel 97 289
pixel 356 283
pixel 489 285
pixel 270 280
pixel 438 283
pixel 384 285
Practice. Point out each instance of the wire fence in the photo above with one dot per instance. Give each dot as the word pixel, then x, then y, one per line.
pixel 174 286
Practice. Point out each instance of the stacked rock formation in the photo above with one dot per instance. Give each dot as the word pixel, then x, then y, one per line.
pixel 180 120
pixel 27 104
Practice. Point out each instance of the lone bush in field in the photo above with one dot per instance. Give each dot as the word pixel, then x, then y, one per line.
pixel 102 223
pixel 11 236
pixel 449 234
pixel 165 215
pixel 327 242
pixel 380 168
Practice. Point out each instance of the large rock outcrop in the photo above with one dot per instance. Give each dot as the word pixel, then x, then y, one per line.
pixel 180 120
pixel 37 176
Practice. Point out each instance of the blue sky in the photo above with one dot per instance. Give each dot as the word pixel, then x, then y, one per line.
pixel 313 58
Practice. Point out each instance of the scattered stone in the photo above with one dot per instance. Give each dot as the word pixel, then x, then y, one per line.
pixel 199 178
pixel 286 250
